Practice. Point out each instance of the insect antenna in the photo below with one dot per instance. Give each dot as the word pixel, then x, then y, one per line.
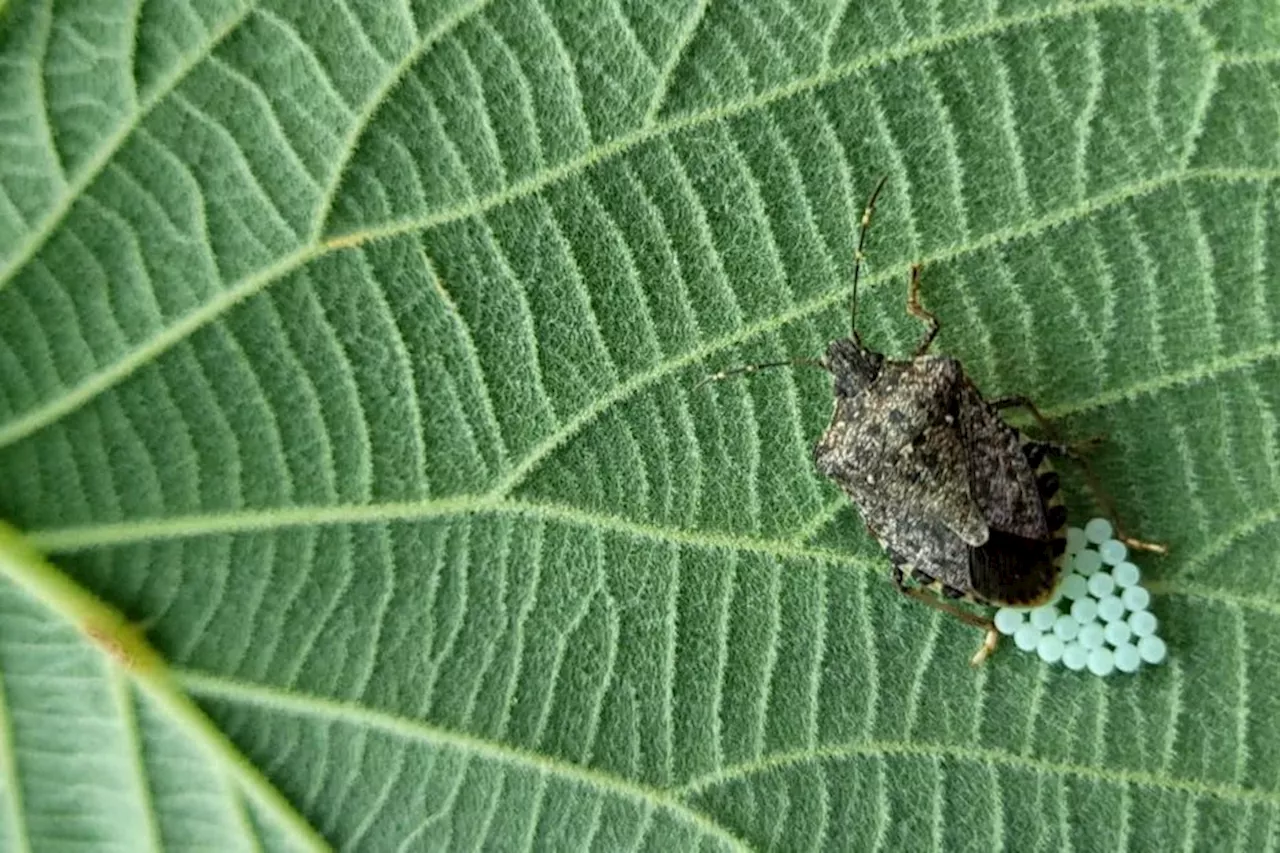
pixel 858 257
pixel 752 368
pixel 853 309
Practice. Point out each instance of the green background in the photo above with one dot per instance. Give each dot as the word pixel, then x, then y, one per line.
pixel 347 349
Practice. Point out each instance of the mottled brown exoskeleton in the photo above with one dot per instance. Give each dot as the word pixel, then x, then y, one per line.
pixel 964 504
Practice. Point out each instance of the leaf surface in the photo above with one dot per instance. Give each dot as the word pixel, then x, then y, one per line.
pixel 347 353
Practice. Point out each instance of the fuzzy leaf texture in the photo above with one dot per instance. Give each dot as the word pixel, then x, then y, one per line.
pixel 357 493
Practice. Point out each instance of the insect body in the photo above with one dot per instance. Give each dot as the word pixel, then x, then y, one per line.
pixel 963 503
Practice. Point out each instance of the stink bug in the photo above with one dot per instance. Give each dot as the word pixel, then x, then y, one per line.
pixel 965 505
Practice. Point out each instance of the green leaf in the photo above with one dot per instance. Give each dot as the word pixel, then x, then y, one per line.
pixel 347 355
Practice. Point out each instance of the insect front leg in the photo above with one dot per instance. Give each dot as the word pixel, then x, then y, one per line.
pixel 1077 451
pixel 1019 401
pixel 915 309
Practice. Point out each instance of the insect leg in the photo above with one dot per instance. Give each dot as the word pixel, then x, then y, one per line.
pixel 1108 506
pixel 1078 453
pixel 752 368
pixel 992 637
pixel 915 309
pixel 1019 401
pixel 1077 450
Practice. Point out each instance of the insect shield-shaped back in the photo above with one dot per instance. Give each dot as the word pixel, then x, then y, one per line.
pixel 950 490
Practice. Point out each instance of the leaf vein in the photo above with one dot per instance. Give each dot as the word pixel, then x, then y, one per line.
pixel 122 698
pixel 597 703
pixel 237 154
pixel 46 121
pixel 565 247
pixel 951 147
pixel 901 175
pixel 791 395
pixel 365 115
pixel 378 619
pixel 1093 94
pixel 10 780
pixel 1009 125
pixel 821 836
pixel 526 92
pixel 73 539
pixel 472 355
pixel 612 148
pixel 321 75
pixel 662 82
pixel 570 67
pixel 486 824
pixel 486 120
pixel 832 30
pixel 1033 708
pixel 982 756
pixel 400 348
pixel 522 617
pixel 253 607
pixel 873 677
pixel 527 328
pixel 441 649
pixel 95 383
pixel 347 713
pixel 1124 839
pixel 634 280
pixel 1242 702
pixel 1173 728
pixel 390 776
pixel 55 215
pixel 490 649
pixel 884 806
pixel 315 624
pixel 922 662
pixel 769 669
pixel 1152 82
pixel 593 828
pixel 722 662
pixel 672 642
pixel 938 823
pixel 813 730
pixel 1200 112
pixel 633 384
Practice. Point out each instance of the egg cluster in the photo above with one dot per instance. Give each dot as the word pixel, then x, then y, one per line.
pixel 1099 618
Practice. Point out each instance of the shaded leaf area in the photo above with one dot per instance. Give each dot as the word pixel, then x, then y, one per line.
pixel 351 352
pixel 89 760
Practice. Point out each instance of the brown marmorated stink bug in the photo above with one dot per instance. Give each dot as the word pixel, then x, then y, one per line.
pixel 965 505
